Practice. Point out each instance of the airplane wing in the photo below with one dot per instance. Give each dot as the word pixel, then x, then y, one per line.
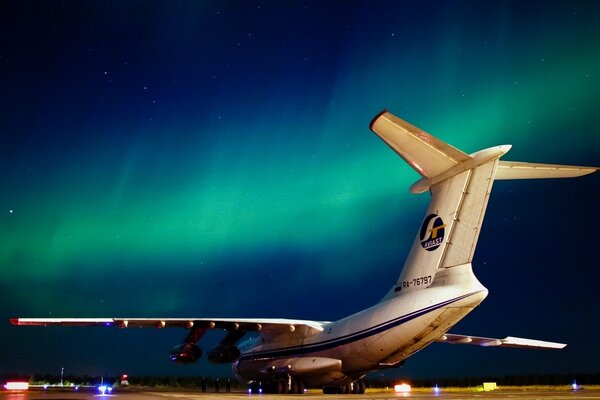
pixel 508 341
pixel 266 325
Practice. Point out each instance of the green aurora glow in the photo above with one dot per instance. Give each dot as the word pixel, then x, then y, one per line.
pixel 186 162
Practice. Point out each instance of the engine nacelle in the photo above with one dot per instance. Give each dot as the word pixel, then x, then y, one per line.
pixel 185 353
pixel 223 354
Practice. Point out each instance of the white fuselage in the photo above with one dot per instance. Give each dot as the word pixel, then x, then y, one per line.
pixel 378 337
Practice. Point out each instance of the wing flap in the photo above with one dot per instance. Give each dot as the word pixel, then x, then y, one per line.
pixel 508 341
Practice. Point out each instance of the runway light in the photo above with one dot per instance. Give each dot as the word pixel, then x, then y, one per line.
pixel 102 389
pixel 575 386
pixel 436 390
pixel 45 386
pixel 402 388
pixel 16 385
pixel 259 390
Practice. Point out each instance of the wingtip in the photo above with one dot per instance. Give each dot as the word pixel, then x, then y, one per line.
pixel 375 118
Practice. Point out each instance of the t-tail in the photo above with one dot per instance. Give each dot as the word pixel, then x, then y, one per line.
pixel 460 186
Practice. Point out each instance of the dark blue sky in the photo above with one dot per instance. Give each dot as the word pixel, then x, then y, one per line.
pixel 214 159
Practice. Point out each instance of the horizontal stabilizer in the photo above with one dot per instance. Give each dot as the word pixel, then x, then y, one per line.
pixel 524 170
pixel 508 341
pixel 426 154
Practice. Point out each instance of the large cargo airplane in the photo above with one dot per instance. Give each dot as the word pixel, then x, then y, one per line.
pixel 435 290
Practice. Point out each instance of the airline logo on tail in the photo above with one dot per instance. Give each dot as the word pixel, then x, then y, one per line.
pixel 432 232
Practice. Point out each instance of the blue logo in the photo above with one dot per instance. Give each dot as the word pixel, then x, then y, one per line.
pixel 432 232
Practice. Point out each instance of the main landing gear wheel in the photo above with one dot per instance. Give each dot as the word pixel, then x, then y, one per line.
pixel 357 387
pixel 296 387
pixel 285 386
pixel 276 387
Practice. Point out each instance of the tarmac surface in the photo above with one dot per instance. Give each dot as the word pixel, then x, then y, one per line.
pixel 504 394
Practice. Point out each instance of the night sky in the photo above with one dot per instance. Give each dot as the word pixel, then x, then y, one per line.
pixel 214 159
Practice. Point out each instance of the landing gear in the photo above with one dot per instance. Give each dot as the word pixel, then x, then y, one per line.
pixel 275 387
pixel 291 385
pixel 287 385
pixel 296 387
pixel 357 387
pixel 301 387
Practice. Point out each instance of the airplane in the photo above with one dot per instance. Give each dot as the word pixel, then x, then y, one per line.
pixel 436 287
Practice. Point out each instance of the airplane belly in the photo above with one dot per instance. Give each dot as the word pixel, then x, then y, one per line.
pixel 313 371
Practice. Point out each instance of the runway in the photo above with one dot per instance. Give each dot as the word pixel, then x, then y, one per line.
pixel 505 394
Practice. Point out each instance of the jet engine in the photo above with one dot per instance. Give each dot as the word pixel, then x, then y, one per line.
pixel 185 353
pixel 223 354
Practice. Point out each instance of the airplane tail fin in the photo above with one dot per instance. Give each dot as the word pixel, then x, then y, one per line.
pixel 460 186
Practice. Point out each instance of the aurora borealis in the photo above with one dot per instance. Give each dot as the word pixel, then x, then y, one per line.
pixel 214 159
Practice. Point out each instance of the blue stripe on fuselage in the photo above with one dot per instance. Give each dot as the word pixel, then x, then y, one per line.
pixel 352 337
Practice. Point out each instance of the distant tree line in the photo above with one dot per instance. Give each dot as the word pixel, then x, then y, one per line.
pixel 374 382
